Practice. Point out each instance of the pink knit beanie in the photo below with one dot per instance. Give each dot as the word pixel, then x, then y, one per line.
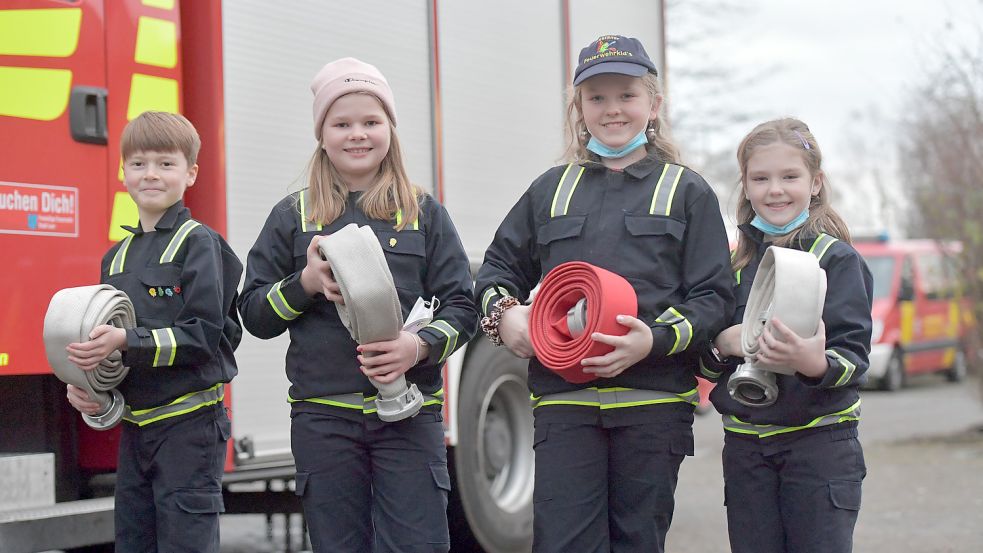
pixel 345 76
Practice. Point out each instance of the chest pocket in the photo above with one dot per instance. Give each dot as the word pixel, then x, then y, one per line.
pixel 406 254
pixel 559 239
pixel 656 243
pixel 161 294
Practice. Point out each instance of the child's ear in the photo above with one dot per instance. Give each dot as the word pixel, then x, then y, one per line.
pixel 817 182
pixel 192 175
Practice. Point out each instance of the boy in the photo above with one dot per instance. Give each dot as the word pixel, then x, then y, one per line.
pixel 181 277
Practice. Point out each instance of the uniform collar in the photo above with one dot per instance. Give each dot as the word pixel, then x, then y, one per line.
pixel 174 214
pixel 639 170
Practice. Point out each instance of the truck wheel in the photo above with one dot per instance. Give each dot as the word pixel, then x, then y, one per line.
pixel 493 460
pixel 894 376
pixel 957 372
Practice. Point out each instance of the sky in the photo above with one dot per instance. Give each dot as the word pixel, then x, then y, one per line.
pixel 845 67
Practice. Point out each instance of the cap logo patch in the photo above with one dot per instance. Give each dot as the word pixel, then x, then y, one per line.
pixel 604 46
pixel 353 79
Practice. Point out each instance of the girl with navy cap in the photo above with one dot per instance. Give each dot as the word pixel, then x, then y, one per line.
pixel 608 451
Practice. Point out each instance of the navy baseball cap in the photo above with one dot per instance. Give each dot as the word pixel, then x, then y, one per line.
pixel 613 54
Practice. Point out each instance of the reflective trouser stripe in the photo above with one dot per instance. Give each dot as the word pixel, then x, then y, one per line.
pixel 279 303
pixel 362 402
pixel 734 424
pixel 166 347
pixel 614 398
pixel 564 190
pixel 665 189
pixel 680 325
pixel 180 406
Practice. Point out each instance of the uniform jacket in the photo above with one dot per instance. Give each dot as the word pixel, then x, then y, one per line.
pixel 671 246
pixel 846 314
pixel 426 259
pixel 182 280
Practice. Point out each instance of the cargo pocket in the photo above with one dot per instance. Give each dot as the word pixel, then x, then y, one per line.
pixel 300 483
pixel 845 494
pixel 441 476
pixel 656 242
pixel 541 486
pixel 200 501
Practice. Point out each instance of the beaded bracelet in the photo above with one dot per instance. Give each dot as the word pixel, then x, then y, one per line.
pixel 489 324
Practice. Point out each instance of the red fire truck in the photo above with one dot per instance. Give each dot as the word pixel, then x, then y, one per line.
pixel 73 72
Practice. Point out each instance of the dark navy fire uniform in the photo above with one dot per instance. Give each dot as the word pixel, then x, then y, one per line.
pixel 608 451
pixel 793 470
pixel 182 280
pixel 349 463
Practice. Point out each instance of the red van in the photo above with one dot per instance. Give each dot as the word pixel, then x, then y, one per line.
pixel 920 319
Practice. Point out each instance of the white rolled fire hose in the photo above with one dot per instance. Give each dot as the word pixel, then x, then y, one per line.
pixel 789 285
pixel 71 316
pixel 371 312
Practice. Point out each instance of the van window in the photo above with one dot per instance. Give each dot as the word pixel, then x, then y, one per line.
pixel 937 276
pixel 882 268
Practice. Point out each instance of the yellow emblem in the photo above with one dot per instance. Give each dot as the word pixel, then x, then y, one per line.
pixel 392 242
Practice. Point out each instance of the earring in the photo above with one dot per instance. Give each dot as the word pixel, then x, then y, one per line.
pixel 584 136
pixel 650 131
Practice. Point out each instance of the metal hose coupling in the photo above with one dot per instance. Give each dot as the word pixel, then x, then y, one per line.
pixel 790 286
pixel 71 316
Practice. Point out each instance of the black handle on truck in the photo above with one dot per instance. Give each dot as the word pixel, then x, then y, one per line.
pixel 87 114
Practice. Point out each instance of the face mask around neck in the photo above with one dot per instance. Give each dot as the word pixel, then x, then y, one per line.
pixel 764 226
pixel 601 149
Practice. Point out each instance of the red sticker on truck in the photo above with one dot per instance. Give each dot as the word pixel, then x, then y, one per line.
pixel 38 209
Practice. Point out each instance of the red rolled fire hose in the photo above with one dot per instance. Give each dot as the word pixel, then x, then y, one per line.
pixel 575 300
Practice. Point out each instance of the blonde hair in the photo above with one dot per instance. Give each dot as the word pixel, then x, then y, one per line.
pixel 661 144
pixel 160 131
pixel 391 191
pixel 822 217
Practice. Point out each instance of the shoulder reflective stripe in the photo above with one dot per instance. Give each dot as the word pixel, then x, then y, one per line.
pixel 682 327
pixel 49 33
pixel 166 347
pixel 156 42
pixel 665 189
pixel 705 371
pixel 162 4
pixel 279 303
pixel 180 235
pixel 848 367
pixel 415 225
pixel 564 189
pixel 362 402
pixel 737 276
pixel 119 260
pixel 487 296
pixel 150 93
pixel 180 406
pixel 305 212
pixel 614 398
pixel 822 243
pixel 34 93
pixel 450 332
pixel 734 424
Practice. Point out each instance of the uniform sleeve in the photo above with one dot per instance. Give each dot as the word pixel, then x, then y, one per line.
pixel 706 278
pixel 511 266
pixel 272 296
pixel 202 320
pixel 849 293
pixel 448 278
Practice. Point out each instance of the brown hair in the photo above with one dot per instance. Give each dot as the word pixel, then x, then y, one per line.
pixel 822 217
pixel 661 144
pixel 391 191
pixel 160 131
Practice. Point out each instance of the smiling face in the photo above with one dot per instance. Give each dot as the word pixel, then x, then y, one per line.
pixel 616 108
pixel 778 183
pixel 355 136
pixel 156 181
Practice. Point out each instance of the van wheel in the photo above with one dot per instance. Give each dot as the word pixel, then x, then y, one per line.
pixel 493 461
pixel 957 372
pixel 894 376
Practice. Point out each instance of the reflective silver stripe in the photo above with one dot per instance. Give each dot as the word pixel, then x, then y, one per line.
pixel 177 240
pixel 665 189
pixel 362 402
pixel 564 190
pixel 415 225
pixel 680 325
pixel 707 372
pixel 279 303
pixel 166 347
pixel 614 398
pixel 449 332
pixel 734 424
pixel 180 406
pixel 305 212
pixel 848 368
pixel 822 243
pixel 487 296
pixel 119 259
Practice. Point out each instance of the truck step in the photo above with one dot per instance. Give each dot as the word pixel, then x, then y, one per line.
pixel 60 526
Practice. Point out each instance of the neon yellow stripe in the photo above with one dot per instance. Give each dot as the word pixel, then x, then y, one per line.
pixel 170 332
pixel 276 310
pixel 447 343
pixel 485 298
pixel 558 188
pixel 176 413
pixel 566 205
pixel 49 33
pixel 162 4
pixel 149 93
pixel 156 343
pixel 655 195
pixel 848 368
pixel 156 42
pixel 284 300
pixel 34 93
pixel 672 191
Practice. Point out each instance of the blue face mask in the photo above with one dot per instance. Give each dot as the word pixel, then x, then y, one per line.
pixel 603 150
pixel 772 230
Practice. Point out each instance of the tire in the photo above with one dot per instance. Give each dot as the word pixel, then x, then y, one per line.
pixel 894 376
pixel 493 463
pixel 957 372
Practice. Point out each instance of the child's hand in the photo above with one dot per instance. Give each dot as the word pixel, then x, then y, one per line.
pixel 513 329
pixel 628 349
pixel 781 347
pixel 103 340
pixel 81 401
pixel 392 358
pixel 317 276
pixel 728 342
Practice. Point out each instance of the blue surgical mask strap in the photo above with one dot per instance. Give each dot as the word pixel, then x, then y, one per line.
pixel 603 150
pixel 772 230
